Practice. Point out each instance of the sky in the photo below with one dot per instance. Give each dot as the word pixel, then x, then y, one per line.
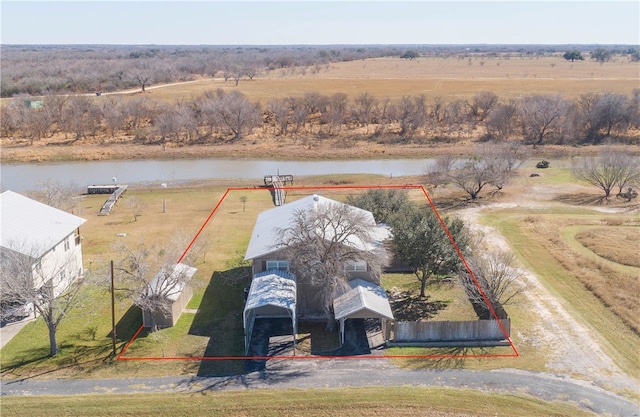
pixel 320 22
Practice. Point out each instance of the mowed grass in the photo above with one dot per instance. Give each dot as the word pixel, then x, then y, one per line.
pixel 371 401
pixel 448 78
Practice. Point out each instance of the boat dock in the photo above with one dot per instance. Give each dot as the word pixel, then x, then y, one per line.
pixel 115 192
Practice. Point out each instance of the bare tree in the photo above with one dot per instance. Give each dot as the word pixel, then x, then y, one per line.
pixel 336 112
pixel 151 276
pixel 612 110
pixel 236 113
pixel 280 111
pixel 411 114
pixel 56 194
pixel 364 109
pixel 541 117
pixel 610 169
pixel 113 114
pixel 491 164
pixel 483 103
pixel 501 122
pixel 136 206
pixel 320 241
pixel 26 279
pixel 495 280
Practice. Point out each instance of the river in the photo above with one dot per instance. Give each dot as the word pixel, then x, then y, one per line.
pixel 27 177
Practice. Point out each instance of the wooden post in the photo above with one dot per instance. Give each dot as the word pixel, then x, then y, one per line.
pixel 113 312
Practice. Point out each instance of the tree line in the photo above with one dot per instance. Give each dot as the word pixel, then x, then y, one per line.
pixel 219 116
pixel 76 69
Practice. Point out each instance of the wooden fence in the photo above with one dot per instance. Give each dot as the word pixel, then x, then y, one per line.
pixel 407 332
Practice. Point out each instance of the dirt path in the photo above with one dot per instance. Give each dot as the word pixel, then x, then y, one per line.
pixel 575 349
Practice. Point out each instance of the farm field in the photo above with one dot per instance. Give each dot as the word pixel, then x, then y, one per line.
pixel 445 79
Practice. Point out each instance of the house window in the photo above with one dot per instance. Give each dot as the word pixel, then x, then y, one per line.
pixel 277 266
pixel 77 237
pixel 351 266
pixel 66 245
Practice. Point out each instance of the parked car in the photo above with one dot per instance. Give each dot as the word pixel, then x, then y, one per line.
pixel 15 312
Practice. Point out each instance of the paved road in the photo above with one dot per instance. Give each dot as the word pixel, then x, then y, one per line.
pixel 336 373
pixel 8 330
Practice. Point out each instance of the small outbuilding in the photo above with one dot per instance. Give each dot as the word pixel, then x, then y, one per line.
pixel 174 288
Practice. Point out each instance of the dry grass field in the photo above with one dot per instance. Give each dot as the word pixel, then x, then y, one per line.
pixel 448 78
pixel 384 78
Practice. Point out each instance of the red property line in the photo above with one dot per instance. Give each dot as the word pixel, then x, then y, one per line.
pixel 334 187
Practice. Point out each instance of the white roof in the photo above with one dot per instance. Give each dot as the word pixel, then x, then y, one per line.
pixel 173 284
pixel 364 300
pixel 264 239
pixel 274 288
pixel 33 228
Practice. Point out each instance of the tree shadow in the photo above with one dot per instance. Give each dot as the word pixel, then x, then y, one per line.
pixel 128 324
pixel 453 357
pixel 580 199
pixel 219 317
pixel 409 306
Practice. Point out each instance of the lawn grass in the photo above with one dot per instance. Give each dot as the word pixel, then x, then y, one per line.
pixel 374 401
pixel 215 328
pixel 85 336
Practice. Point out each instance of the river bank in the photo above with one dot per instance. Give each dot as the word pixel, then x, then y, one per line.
pixel 50 150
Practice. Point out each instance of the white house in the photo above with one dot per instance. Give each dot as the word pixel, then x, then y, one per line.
pixel 274 290
pixel 48 237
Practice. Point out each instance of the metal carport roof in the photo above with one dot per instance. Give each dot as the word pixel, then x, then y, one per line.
pixel 270 293
pixel 364 300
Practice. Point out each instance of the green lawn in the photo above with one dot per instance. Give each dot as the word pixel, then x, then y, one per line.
pixel 386 401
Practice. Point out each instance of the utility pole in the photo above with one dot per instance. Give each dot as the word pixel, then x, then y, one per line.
pixel 113 312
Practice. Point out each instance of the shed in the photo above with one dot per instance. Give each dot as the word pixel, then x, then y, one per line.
pixel 173 286
pixel 272 295
pixel 364 300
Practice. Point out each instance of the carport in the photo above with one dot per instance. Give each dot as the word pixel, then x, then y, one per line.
pixel 363 301
pixel 272 295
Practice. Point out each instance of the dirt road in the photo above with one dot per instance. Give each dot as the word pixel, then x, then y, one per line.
pixel 575 348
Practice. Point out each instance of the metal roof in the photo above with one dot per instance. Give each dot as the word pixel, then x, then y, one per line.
pixel 173 284
pixel 274 288
pixel 33 228
pixel 264 238
pixel 364 300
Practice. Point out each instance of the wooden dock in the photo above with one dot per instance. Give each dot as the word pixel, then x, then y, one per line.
pixel 113 198
pixel 282 179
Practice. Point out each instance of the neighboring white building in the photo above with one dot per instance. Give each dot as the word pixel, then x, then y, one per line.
pixel 49 237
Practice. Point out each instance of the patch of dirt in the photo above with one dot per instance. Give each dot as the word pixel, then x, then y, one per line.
pixel 575 349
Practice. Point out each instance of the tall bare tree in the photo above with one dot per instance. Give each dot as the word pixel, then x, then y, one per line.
pixel 149 274
pixel 610 169
pixel 497 282
pixel 25 280
pixel 320 241
pixel 364 109
pixel 541 117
